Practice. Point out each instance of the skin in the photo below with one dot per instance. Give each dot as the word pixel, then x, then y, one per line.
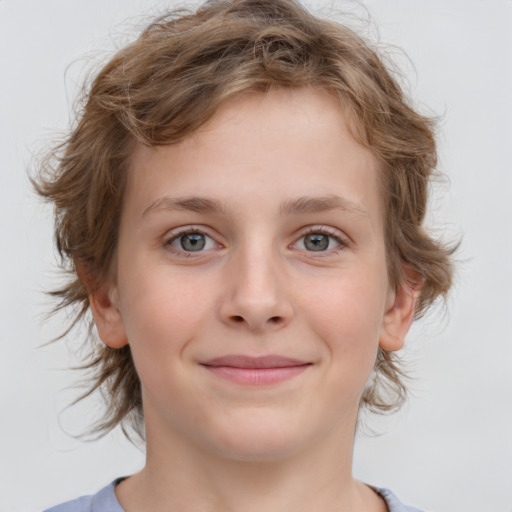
pixel 257 288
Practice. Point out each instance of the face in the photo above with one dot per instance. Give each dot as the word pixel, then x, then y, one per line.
pixel 251 278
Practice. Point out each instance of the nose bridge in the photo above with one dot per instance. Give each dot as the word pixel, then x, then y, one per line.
pixel 256 295
pixel 256 281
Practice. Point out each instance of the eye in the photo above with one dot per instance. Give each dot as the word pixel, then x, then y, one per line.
pixel 319 241
pixel 192 241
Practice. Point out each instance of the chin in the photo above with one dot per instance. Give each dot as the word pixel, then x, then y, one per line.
pixel 257 450
pixel 258 439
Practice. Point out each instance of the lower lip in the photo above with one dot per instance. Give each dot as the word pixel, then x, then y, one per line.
pixel 257 376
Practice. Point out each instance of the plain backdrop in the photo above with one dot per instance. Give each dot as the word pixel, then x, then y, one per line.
pixel 450 449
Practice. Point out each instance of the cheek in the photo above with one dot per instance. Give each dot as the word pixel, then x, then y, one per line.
pixel 348 317
pixel 351 340
pixel 161 314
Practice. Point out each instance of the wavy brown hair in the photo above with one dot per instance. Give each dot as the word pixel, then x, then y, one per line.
pixel 167 84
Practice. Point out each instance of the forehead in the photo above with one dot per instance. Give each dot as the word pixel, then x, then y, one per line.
pixel 285 143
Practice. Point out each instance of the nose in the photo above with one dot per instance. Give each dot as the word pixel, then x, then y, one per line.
pixel 255 295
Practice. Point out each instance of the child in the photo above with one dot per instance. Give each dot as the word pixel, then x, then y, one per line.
pixel 241 203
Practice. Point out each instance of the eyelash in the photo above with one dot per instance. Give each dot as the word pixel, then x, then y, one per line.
pixel 331 233
pixel 313 230
pixel 174 236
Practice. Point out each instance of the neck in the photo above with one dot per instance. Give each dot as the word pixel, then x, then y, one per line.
pixel 181 476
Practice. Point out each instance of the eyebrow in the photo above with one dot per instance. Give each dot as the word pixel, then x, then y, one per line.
pixel 192 204
pixel 313 204
pixel 300 205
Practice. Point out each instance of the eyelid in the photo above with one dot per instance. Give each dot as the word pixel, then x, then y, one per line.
pixel 176 233
pixel 339 236
pixel 172 235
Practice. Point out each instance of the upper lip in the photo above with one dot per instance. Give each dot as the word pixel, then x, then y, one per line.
pixel 243 361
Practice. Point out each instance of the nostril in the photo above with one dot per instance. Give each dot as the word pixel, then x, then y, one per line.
pixel 239 319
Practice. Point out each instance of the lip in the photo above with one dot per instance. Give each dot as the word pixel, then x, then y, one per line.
pixel 256 371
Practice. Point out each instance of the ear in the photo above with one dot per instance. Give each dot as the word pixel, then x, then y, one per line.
pixel 400 314
pixel 104 304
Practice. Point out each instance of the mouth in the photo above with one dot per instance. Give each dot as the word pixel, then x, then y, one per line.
pixel 256 371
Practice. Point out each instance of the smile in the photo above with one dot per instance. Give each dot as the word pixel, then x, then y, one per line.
pixel 256 371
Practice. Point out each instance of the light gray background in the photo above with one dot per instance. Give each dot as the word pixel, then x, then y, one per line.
pixel 450 449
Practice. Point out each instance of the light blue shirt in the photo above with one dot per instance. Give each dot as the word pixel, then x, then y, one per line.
pixel 106 501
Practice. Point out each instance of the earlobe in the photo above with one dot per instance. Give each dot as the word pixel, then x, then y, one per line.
pixel 399 317
pixel 107 316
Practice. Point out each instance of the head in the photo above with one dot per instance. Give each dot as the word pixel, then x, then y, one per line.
pixel 168 85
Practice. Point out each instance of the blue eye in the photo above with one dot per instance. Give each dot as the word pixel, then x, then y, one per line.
pixel 318 242
pixel 193 241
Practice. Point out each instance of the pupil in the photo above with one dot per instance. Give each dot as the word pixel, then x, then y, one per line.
pixel 193 242
pixel 316 242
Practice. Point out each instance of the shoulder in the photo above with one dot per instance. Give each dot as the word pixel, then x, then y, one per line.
pixel 104 501
pixel 394 505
